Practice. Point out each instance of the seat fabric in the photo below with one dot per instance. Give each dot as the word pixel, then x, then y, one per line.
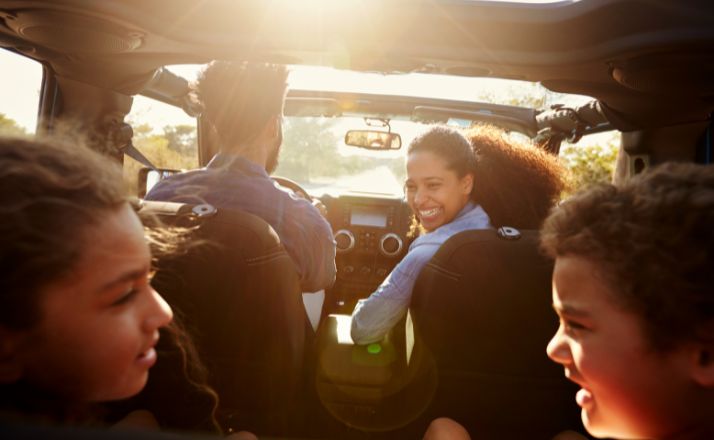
pixel 482 312
pixel 237 291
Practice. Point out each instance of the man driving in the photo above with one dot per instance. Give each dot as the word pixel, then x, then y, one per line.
pixel 243 102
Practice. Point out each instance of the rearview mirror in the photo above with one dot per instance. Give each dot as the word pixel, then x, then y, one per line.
pixel 373 140
pixel 149 177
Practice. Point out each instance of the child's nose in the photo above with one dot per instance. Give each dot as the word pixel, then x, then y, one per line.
pixel 557 348
pixel 161 313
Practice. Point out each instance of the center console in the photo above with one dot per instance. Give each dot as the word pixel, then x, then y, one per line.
pixel 371 237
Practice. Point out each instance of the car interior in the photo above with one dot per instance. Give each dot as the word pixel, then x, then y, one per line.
pixel 472 346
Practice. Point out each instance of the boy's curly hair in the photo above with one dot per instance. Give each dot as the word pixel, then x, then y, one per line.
pixel 653 239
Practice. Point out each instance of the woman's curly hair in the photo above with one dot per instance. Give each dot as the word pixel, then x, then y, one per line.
pixel 516 184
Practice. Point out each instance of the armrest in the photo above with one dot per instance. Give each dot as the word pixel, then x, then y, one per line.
pixel 368 386
pixel 342 362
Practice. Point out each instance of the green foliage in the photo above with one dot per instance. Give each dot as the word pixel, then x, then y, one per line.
pixel 9 127
pixel 589 164
pixel 181 138
pixel 160 150
pixel 310 152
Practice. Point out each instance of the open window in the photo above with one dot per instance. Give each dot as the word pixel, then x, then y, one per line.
pixel 19 93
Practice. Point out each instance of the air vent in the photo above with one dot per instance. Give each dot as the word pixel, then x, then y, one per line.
pixel 73 33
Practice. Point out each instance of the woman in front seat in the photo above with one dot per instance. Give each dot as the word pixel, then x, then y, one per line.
pixel 456 183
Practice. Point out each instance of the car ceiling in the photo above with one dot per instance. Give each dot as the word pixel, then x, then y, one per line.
pixel 650 63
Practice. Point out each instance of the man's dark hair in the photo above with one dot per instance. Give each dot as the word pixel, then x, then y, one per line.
pixel 240 98
pixel 653 240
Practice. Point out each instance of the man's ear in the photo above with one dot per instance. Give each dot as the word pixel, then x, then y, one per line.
pixel 702 364
pixel 277 121
pixel 272 127
pixel 10 365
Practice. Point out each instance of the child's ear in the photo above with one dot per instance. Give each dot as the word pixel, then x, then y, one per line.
pixel 702 364
pixel 467 183
pixel 10 365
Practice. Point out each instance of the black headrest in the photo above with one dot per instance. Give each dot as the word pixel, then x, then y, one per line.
pixel 488 289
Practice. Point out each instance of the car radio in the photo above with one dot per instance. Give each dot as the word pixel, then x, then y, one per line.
pixel 369 229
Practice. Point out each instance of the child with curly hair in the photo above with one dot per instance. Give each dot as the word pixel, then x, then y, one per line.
pixel 633 286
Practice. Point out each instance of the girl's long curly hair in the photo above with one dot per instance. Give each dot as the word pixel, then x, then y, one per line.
pixel 51 192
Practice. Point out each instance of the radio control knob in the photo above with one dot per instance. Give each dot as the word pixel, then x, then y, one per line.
pixel 345 240
pixel 390 244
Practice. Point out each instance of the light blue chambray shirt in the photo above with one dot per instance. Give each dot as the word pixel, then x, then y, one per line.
pixel 373 317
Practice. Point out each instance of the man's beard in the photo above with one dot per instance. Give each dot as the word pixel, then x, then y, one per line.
pixel 272 162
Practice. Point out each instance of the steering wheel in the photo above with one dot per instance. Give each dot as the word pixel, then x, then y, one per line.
pixel 293 185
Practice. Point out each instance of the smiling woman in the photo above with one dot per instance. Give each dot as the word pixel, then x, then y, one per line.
pixel 457 183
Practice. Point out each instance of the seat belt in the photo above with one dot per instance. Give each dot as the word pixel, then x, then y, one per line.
pixel 122 136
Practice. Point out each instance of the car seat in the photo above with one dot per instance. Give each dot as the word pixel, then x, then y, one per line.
pixel 237 291
pixel 482 314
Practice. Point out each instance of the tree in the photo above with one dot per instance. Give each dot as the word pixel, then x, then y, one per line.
pixel 587 163
pixel 182 138
pixel 311 151
pixel 9 127
pixel 156 148
pixel 590 164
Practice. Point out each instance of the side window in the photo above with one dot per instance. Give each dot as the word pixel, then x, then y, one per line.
pixel 592 160
pixel 20 83
pixel 165 134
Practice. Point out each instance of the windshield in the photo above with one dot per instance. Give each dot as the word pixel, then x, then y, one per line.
pixel 314 154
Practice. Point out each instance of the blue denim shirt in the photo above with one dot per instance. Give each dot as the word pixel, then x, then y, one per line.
pixel 234 182
pixel 373 317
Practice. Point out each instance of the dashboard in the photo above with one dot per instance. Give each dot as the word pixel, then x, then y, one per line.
pixel 371 236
